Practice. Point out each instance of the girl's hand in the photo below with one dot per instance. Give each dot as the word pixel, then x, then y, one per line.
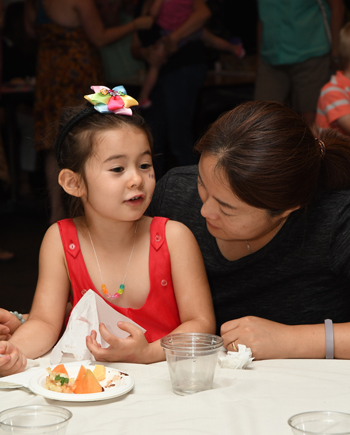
pixel 12 361
pixel 132 349
pixel 266 339
pixel 8 324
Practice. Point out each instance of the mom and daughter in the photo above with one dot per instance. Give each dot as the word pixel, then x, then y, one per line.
pixel 269 213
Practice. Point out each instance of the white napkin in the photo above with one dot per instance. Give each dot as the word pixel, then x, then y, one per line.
pixel 237 360
pixel 86 316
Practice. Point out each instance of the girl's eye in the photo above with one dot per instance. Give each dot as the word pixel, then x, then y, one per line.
pixel 199 181
pixel 145 166
pixel 118 169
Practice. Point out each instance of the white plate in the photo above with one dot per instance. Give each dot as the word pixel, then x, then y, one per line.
pixel 37 385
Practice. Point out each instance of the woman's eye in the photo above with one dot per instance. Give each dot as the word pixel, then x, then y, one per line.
pixel 225 214
pixel 145 166
pixel 118 169
pixel 199 181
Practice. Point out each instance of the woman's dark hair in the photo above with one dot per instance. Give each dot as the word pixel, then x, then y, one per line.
pixel 75 144
pixel 272 159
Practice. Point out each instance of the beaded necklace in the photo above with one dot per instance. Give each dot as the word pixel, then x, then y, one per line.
pixel 120 291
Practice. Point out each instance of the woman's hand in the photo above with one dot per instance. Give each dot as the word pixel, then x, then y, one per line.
pixel 266 339
pixel 132 349
pixel 12 360
pixel 8 324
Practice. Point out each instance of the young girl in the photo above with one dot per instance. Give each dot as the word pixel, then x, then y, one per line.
pixel 169 15
pixel 150 270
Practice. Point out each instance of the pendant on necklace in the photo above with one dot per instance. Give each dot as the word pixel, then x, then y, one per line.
pixel 120 291
pixel 116 294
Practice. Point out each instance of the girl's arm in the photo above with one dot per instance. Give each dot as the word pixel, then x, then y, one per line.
pixel 40 332
pixel 271 340
pixel 95 30
pixel 190 284
pixel 193 299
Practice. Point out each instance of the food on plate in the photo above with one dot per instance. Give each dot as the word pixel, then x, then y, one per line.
pixel 59 382
pixel 100 372
pixel 90 384
pixel 78 381
pixel 86 382
pixel 60 369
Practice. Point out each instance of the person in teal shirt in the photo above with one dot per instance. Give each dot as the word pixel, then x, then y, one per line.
pixel 297 41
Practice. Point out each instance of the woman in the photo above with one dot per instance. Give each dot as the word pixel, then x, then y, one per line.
pixel 270 212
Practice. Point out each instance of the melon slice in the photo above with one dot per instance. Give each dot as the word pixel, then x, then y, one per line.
pixel 99 372
pixel 60 369
pixel 78 384
pixel 90 384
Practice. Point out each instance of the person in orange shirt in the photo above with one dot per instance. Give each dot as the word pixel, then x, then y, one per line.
pixel 333 107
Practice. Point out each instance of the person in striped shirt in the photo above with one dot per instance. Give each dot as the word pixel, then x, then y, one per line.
pixel 333 107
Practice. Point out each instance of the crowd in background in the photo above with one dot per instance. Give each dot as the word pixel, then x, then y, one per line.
pixel 65 49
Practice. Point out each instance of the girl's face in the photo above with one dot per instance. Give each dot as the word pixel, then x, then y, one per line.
pixel 229 218
pixel 119 175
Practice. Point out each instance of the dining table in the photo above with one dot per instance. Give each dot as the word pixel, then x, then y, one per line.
pixel 257 400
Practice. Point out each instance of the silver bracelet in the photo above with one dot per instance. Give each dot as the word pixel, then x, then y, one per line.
pixel 18 315
pixel 329 339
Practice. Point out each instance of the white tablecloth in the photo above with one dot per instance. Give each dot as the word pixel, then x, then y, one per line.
pixel 255 401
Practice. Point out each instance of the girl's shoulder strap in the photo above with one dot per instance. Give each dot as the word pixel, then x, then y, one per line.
pixel 69 236
pixel 157 230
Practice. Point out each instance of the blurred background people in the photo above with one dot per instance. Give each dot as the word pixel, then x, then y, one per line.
pixel 333 107
pixel 168 17
pixel 118 62
pixel 297 42
pixel 174 96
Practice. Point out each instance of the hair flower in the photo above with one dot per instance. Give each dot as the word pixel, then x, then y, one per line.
pixel 114 100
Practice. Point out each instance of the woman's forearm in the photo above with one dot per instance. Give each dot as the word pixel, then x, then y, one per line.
pixel 309 341
pixel 113 34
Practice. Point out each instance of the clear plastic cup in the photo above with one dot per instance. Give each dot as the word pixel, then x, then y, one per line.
pixel 192 359
pixel 320 423
pixel 35 420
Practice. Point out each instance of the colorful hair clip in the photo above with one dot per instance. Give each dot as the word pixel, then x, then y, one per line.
pixel 114 100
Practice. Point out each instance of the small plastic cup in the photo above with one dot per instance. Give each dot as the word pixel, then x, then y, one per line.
pixel 192 359
pixel 35 420
pixel 320 423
